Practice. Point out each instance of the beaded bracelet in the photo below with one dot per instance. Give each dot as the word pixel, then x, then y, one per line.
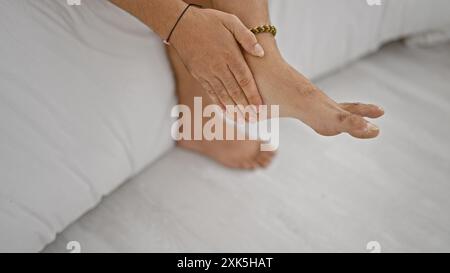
pixel 265 28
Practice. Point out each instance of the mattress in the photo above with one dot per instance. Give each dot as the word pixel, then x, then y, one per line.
pixel 320 194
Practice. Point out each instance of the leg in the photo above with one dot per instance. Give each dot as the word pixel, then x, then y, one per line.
pixel 234 154
pixel 280 84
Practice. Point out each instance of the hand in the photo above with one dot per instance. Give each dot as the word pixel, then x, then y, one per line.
pixel 207 43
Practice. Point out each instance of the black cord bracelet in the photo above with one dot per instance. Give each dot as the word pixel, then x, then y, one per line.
pixel 167 41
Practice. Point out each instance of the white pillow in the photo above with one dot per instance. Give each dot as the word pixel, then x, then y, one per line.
pixel 85 99
pixel 85 94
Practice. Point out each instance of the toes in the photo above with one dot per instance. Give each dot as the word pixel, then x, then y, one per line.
pixel 267 155
pixel 364 110
pixel 264 159
pixel 263 163
pixel 247 165
pixel 357 126
pixel 372 131
pixel 254 165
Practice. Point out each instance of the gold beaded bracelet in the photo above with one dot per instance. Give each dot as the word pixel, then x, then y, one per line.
pixel 265 28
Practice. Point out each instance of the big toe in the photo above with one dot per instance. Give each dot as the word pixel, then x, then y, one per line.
pixel 358 127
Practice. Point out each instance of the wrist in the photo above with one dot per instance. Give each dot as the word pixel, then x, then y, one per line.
pixel 159 15
pixel 175 10
pixel 186 27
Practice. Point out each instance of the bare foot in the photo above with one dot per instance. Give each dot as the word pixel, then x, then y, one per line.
pixel 298 98
pixel 238 154
pixel 241 154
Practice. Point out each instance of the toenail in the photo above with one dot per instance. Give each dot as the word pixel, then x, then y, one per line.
pixel 371 127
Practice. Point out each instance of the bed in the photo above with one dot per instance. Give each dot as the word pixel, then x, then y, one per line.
pixel 320 194
pixel 78 85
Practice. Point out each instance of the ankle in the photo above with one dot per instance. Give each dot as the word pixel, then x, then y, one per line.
pixel 271 51
pixel 269 43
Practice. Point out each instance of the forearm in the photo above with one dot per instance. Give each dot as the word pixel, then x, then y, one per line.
pixel 159 15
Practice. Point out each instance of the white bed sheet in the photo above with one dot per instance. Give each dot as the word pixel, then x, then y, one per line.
pixel 319 36
pixel 85 99
pixel 85 94
pixel 320 194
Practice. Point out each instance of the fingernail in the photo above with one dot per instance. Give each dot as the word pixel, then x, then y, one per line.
pixel 381 108
pixel 259 51
pixel 371 127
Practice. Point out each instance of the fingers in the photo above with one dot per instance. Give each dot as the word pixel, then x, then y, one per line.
pixel 244 36
pixel 357 126
pixel 245 80
pixel 233 89
pixel 211 93
pixel 364 110
pixel 225 89
pixel 221 92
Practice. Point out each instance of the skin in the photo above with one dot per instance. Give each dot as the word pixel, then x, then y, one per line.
pixel 277 82
pixel 298 97
pixel 209 44
pixel 232 154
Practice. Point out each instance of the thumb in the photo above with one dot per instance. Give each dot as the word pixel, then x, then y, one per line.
pixel 244 36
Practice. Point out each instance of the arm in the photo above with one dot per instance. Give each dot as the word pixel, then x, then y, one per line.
pixel 208 42
pixel 159 15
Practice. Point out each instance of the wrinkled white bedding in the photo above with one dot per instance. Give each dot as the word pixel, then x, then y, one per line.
pixel 85 94
pixel 320 194
pixel 85 99
pixel 322 35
